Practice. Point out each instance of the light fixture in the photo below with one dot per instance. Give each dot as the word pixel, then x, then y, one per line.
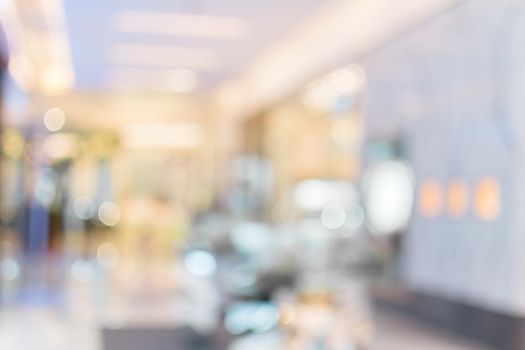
pixel 487 199
pixel 389 197
pixel 316 194
pixel 430 198
pixel 457 198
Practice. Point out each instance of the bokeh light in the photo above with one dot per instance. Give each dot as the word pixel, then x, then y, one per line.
pixel 333 216
pixel 487 199
pixel 54 119
pixel 83 207
pixel 9 269
pixel 200 263
pixel 109 213
pixel 457 198
pixel 430 198
pixel 389 197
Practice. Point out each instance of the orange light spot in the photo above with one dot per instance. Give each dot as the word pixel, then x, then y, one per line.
pixel 457 198
pixel 487 201
pixel 430 198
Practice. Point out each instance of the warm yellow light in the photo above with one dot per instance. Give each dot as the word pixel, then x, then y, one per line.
pixel 176 24
pixel 457 198
pixel 487 199
pixel 13 144
pixel 56 79
pixel 431 198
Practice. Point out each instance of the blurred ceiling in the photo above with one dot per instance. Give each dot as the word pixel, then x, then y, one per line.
pixel 106 62
pixel 179 45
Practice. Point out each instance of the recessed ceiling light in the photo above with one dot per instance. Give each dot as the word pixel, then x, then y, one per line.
pixel 175 24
